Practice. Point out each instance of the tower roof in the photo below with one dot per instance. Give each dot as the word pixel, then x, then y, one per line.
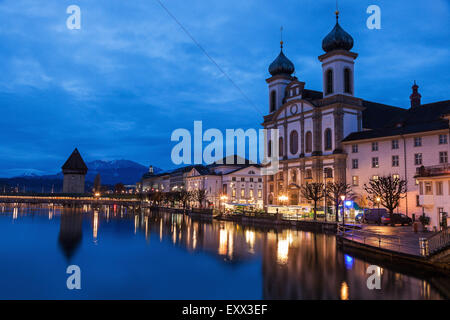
pixel 337 39
pixel 281 65
pixel 75 163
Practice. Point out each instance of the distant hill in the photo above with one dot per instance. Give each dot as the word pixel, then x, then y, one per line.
pixel 111 172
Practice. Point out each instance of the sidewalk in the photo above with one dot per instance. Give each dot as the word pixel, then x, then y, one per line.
pixel 398 239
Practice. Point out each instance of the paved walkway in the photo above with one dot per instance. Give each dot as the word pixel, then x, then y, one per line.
pixel 398 239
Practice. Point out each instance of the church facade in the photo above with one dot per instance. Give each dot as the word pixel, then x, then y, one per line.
pixel 316 129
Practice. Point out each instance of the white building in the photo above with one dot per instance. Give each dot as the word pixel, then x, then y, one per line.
pixel 318 130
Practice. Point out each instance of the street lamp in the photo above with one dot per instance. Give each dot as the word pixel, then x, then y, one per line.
pixel 378 199
pixel 343 212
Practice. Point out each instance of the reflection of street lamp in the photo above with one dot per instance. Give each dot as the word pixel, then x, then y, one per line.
pixel 343 212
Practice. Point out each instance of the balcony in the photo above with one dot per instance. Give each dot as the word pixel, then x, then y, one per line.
pixel 433 171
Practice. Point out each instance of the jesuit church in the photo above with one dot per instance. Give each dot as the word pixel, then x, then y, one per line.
pixel 313 125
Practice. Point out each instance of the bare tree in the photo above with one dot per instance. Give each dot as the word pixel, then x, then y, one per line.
pixel 389 190
pixel 313 192
pixel 200 196
pixel 334 192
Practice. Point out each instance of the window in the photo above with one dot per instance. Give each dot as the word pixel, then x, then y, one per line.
pixel 251 179
pixel 395 161
pixel 251 193
pixel 269 149
pixel 224 189
pixel 354 163
pixel 308 142
pixel 375 178
pixel 259 193
pixel 259 179
pixel 418 159
pixel 417 141
pixel 328 173
pixel 355 180
pixel 293 141
pixel 233 179
pixel 374 146
pixel 294 176
pixel 233 193
pixel 417 201
pixel 308 174
pixel 443 157
pixel 396 176
pixel 280 146
pixel 242 179
pixel 347 81
pixel 328 139
pixel 271 188
pixel 273 101
pixel 242 193
pixel 420 188
pixel 354 148
pixel 329 81
pixel 375 163
pixel 428 188
pixel 442 139
pixel 251 172
pixel 439 188
pixel 394 144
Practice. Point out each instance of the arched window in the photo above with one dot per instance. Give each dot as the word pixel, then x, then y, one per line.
pixel 273 101
pixel 308 174
pixel 329 81
pixel 347 81
pixel 327 138
pixel 280 146
pixel 308 142
pixel 269 148
pixel 294 176
pixel 293 142
pixel 328 173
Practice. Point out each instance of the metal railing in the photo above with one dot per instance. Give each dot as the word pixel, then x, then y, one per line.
pixel 374 239
pixel 435 243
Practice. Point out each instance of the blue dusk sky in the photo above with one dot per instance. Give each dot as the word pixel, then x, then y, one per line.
pixel 120 85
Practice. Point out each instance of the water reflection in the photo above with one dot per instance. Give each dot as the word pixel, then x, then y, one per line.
pixel 292 264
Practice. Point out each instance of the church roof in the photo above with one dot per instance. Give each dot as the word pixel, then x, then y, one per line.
pixel 337 39
pixel 281 65
pixel 75 163
pixel 427 117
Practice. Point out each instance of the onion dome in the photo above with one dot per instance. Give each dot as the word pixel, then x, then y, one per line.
pixel 337 39
pixel 281 65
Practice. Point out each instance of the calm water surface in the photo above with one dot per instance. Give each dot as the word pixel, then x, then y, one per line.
pixel 141 255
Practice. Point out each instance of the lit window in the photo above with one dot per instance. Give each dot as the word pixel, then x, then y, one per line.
pixel 396 176
pixel 374 178
pixel 428 188
pixel 355 180
pixel 259 193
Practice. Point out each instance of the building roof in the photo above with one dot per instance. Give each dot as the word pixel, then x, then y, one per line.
pixel 281 65
pixel 337 39
pixel 427 117
pixel 75 163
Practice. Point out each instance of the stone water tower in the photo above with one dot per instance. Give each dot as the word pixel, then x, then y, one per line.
pixel 74 171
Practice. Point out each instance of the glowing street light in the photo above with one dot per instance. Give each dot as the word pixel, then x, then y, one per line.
pixel 343 212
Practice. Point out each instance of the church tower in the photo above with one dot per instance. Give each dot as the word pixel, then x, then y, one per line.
pixel 74 170
pixel 281 70
pixel 338 62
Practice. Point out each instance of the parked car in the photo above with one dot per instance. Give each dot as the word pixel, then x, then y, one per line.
pixel 374 215
pixel 359 217
pixel 397 218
